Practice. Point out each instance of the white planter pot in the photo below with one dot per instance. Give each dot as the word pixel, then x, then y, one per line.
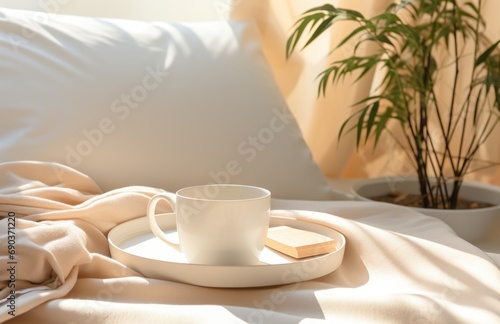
pixel 473 225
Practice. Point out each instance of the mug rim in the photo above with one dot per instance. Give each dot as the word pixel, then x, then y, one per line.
pixel 260 193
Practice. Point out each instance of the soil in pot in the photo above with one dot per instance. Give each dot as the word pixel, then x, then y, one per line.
pixel 413 200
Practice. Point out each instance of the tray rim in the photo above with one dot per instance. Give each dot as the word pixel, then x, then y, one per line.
pixel 325 263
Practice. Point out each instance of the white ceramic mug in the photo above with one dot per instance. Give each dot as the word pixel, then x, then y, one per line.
pixel 217 224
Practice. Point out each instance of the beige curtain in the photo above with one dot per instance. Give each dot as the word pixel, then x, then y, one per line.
pixel 320 118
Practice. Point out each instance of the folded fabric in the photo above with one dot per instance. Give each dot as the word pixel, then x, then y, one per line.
pixel 49 255
pixel 399 266
pixel 49 191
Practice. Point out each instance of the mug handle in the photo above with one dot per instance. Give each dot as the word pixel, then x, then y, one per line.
pixel 157 231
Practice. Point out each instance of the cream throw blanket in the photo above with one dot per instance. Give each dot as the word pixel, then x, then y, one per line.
pixel 399 266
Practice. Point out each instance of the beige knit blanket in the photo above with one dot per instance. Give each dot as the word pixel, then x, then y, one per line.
pixel 55 267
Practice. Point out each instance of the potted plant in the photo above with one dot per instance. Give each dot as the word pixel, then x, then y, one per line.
pixel 415 45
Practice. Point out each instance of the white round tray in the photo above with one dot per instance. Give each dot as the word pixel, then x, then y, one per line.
pixel 133 244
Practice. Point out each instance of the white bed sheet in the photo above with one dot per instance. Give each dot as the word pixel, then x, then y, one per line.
pixel 399 266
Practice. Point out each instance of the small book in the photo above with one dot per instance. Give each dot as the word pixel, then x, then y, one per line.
pixel 299 243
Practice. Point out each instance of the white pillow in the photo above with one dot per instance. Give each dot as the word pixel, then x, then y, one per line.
pixel 156 104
